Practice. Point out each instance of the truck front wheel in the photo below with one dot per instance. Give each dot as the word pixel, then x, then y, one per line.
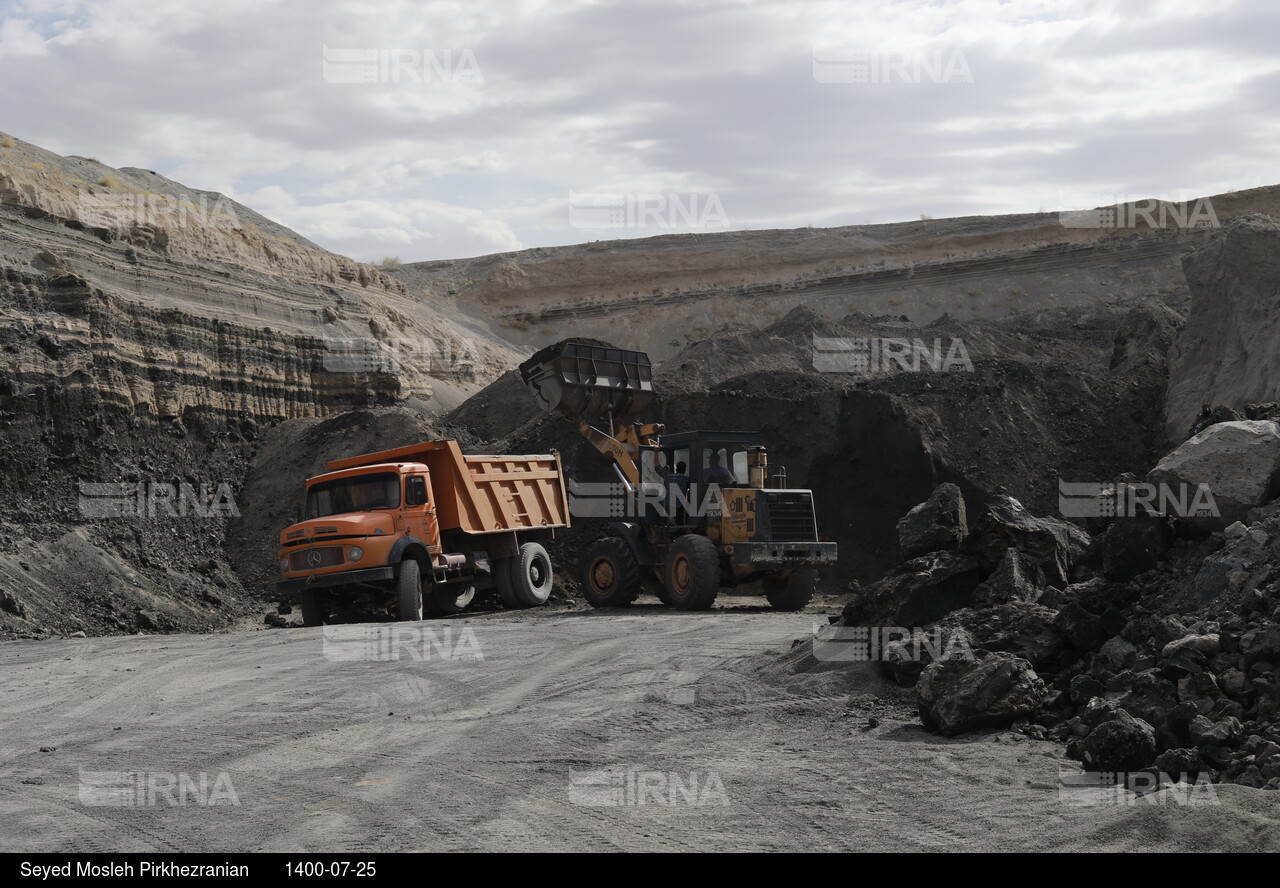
pixel 610 575
pixel 531 575
pixel 692 573
pixel 409 590
pixel 312 601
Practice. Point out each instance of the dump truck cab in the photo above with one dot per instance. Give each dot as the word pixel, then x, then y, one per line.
pixel 358 524
pixel 427 524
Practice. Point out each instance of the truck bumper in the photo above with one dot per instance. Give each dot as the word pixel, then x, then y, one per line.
pixel 783 554
pixel 342 578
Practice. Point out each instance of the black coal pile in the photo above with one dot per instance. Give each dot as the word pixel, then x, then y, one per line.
pixel 1148 640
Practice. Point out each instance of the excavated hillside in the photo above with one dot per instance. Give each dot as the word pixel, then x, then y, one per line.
pixel 149 335
pixel 1226 354
pixel 672 290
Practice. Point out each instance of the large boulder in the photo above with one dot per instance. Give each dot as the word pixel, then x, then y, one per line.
pixel 1016 578
pixel 1116 740
pixel 1226 351
pixel 1004 523
pixel 991 690
pixel 1238 463
pixel 1020 628
pixel 936 525
pixel 1243 564
pixel 916 593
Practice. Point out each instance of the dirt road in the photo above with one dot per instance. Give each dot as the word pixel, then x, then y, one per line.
pixel 648 730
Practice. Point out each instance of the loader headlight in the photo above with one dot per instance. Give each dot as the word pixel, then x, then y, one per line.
pixel 355 553
pixel 284 565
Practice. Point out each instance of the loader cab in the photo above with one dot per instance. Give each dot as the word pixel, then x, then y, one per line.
pixel 695 451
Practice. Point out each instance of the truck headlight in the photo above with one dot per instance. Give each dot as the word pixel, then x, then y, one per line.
pixel 284 565
pixel 355 553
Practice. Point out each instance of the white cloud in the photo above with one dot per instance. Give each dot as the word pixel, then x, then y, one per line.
pixel 664 97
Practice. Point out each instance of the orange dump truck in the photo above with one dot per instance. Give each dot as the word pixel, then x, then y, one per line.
pixel 428 526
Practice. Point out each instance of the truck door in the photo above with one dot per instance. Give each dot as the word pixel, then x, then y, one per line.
pixel 420 512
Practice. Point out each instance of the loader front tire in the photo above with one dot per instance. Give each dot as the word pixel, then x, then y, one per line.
pixel 409 590
pixel 791 593
pixel 610 574
pixel 692 573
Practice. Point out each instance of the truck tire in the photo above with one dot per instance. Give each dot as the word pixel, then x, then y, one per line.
pixel 312 601
pixel 409 590
pixel 610 575
pixel 791 593
pixel 502 581
pixel 445 601
pixel 531 575
pixel 692 573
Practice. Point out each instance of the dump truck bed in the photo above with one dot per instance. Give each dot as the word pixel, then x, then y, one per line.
pixel 482 493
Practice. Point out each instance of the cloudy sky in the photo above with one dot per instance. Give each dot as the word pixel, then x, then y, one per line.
pixel 430 130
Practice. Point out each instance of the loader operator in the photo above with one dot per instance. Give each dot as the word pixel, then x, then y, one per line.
pixel 718 474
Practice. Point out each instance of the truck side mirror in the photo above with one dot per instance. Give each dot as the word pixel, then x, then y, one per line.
pixel 299 514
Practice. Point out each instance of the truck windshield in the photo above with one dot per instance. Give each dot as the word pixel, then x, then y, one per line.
pixel 357 493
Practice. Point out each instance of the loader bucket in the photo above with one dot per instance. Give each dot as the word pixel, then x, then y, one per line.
pixel 590 381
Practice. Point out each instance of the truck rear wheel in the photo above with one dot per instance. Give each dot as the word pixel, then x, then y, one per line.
pixel 692 573
pixel 312 601
pixel 409 590
pixel 502 580
pixel 791 593
pixel 610 575
pixel 531 575
pixel 445 600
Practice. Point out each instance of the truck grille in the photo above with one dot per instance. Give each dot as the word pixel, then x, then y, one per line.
pixel 791 515
pixel 303 559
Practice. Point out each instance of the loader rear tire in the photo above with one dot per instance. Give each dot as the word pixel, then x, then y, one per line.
pixel 791 593
pixel 409 590
pixel 312 601
pixel 531 576
pixel 610 574
pixel 692 573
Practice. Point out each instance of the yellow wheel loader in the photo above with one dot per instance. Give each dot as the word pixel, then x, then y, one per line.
pixel 702 510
